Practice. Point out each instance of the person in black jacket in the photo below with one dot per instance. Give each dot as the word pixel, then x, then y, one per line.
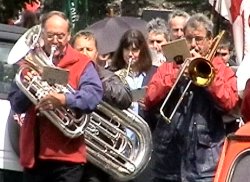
pixel 116 92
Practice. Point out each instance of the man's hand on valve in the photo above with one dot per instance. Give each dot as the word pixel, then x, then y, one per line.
pixel 51 101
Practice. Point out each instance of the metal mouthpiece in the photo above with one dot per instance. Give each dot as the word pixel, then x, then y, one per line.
pixel 129 65
pixel 52 51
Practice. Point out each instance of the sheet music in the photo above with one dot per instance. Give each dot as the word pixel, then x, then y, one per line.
pixel 138 94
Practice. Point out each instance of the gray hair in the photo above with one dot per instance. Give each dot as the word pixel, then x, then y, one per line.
pixel 158 26
pixel 178 13
pixel 198 20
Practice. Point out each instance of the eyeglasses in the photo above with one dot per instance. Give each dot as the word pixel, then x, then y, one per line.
pixel 177 29
pixel 132 49
pixel 59 36
pixel 198 39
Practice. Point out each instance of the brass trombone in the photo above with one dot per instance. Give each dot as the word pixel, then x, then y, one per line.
pixel 200 72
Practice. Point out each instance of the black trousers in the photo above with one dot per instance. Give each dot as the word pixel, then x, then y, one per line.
pixel 56 171
pixel 163 180
pixel 94 174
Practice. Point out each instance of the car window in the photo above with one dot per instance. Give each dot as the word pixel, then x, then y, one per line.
pixel 7 71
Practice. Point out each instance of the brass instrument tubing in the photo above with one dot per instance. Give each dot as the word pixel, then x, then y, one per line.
pixel 185 64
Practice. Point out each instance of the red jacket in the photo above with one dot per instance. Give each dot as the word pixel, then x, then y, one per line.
pixel 223 87
pixel 53 144
pixel 245 105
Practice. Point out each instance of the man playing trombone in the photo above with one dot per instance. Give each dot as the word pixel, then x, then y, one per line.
pixel 196 126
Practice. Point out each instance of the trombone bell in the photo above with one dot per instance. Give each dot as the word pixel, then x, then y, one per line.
pixel 201 72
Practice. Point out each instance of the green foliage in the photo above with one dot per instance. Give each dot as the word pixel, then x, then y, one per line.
pixel 97 10
pixel 89 10
pixel 10 9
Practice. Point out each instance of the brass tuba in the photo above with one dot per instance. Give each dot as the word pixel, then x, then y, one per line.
pixel 111 149
pixel 200 72
pixel 71 123
pixel 108 145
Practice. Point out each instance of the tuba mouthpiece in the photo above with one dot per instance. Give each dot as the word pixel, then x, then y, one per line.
pixel 52 51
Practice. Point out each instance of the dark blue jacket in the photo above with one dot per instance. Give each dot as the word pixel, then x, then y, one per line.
pixel 196 133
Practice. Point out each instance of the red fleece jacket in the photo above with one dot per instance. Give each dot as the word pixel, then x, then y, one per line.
pixel 223 87
pixel 53 144
pixel 245 105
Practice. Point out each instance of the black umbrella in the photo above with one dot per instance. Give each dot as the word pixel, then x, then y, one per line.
pixel 109 31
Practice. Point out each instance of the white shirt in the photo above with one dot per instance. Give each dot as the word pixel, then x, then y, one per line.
pixel 243 74
pixel 135 81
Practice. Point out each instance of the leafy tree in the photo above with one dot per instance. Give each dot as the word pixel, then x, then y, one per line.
pixel 88 11
pixel 10 9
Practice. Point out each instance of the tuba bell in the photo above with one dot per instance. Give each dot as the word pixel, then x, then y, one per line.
pixel 200 72
pixel 109 147
pixel 104 130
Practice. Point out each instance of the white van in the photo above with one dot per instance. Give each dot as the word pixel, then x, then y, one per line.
pixel 10 169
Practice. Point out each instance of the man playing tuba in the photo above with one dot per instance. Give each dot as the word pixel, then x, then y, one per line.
pixel 45 152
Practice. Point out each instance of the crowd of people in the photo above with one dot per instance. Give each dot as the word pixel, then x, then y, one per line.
pixel 185 149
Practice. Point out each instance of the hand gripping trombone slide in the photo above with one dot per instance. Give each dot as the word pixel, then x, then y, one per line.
pixel 200 72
